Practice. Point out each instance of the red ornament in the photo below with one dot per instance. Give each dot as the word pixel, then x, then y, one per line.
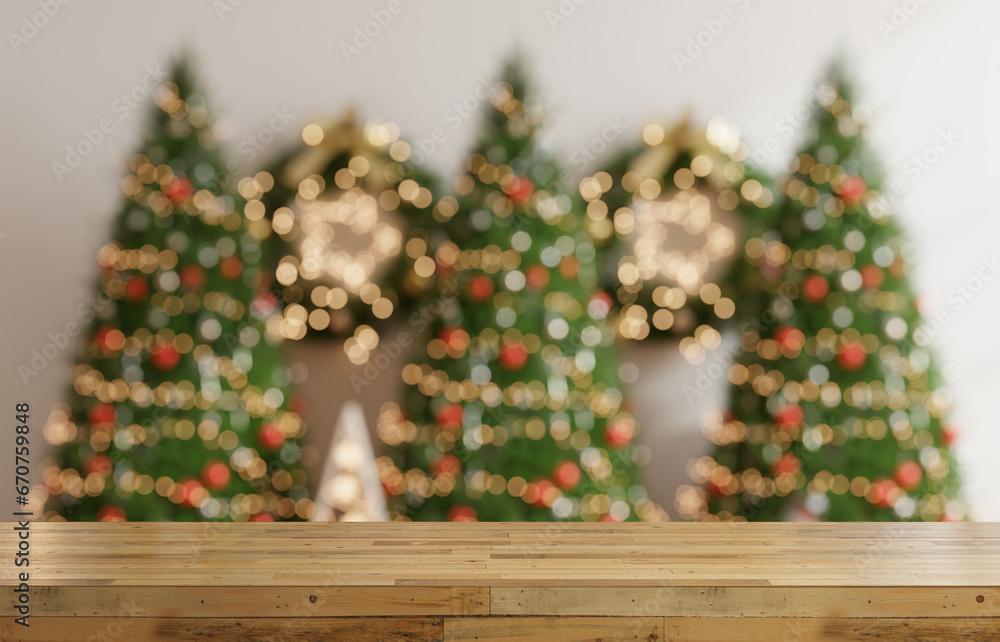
pixel 447 464
pixel 194 493
pixel 165 357
pixel 111 514
pixel 543 493
pixel 480 288
pixel 101 336
pixel 619 433
pixel 872 276
pixel 456 339
pixel 608 517
pixel 462 513
pixel 271 436
pixel 909 474
pixel 815 288
pixel 136 288
pixel 787 463
pixel 599 305
pixel 949 434
pixel 790 338
pixel 101 413
pixel 261 517
pixel 231 267
pixel 536 276
pixel 714 489
pixel 443 271
pixel 519 190
pixel 449 416
pixel 790 416
pixel 566 475
pixel 100 464
pixel 264 305
pixel 851 356
pixel 883 493
pixel 216 475
pixel 852 189
pixel 178 189
pixel 192 277
pixel 513 356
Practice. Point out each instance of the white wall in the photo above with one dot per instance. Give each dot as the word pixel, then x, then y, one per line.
pixel 606 60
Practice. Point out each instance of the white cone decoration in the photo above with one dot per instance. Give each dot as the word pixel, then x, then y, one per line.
pixel 350 489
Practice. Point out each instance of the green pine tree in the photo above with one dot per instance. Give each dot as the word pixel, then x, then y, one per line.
pixel 838 412
pixel 179 403
pixel 513 409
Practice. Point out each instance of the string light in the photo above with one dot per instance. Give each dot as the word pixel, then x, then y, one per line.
pixel 668 217
pixel 508 413
pixel 174 375
pixel 346 206
pixel 831 388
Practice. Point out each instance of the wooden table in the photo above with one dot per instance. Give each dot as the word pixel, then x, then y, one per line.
pixel 135 581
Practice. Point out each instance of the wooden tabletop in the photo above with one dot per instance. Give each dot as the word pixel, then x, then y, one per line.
pixel 523 554
pixel 529 582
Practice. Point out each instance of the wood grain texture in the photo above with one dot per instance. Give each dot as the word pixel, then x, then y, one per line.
pixel 255 601
pixel 739 601
pixel 548 629
pixel 806 629
pixel 522 581
pixel 263 629
pixel 521 554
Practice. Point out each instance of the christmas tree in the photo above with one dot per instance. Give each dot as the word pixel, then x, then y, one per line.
pixel 513 409
pixel 838 412
pixel 178 409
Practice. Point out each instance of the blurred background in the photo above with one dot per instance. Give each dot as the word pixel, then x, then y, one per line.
pixel 925 70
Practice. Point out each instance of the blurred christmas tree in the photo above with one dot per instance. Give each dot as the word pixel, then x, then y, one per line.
pixel 838 412
pixel 513 409
pixel 178 410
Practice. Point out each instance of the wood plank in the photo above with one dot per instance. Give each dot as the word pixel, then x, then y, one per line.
pixel 741 601
pixel 522 554
pixel 699 629
pixel 547 629
pixel 321 629
pixel 290 602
